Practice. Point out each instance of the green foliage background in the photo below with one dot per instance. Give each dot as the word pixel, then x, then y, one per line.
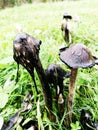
pixel 43 21
pixel 6 3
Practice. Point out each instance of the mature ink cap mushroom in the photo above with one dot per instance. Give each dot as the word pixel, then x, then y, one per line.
pixel 77 56
pixel 26 52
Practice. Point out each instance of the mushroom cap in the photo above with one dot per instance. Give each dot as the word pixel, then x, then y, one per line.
pixel 77 56
pixel 26 49
pixel 67 16
pixel 56 72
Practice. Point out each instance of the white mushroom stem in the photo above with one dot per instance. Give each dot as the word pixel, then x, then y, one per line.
pixel 71 92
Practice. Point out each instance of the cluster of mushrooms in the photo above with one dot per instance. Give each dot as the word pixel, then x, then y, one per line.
pixel 26 52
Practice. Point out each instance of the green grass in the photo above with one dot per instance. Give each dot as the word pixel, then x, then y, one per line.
pixel 43 21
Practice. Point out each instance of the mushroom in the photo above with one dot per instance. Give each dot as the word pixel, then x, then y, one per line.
pixel 26 52
pixel 66 27
pixel 76 56
pixel 23 48
pixel 56 75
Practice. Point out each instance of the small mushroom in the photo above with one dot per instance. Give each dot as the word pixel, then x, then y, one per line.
pixel 56 75
pixel 76 56
pixel 66 27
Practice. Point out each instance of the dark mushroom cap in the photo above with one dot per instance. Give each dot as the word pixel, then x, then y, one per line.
pixel 67 16
pixel 56 72
pixel 26 49
pixel 25 39
pixel 77 56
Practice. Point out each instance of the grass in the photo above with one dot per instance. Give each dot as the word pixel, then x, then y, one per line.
pixel 43 21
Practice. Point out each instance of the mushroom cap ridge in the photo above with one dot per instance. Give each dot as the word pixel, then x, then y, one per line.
pixel 77 56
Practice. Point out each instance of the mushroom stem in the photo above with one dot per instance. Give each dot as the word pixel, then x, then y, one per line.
pixel 65 27
pixel 45 88
pixel 71 92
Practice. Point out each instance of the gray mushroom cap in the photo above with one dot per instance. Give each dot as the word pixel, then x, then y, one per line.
pixel 77 56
